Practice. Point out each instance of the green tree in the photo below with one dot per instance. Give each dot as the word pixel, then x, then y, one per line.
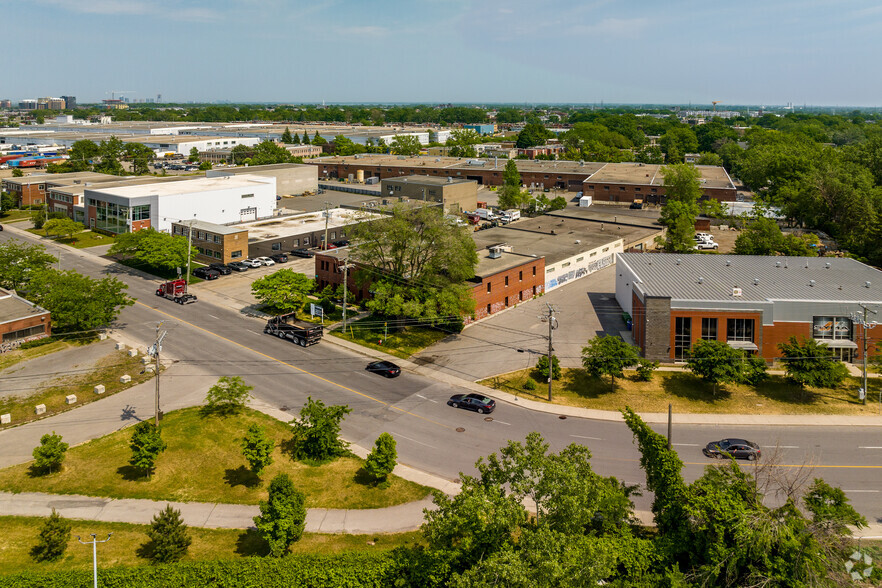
pixel 533 134
pixel 154 248
pixel 286 137
pixel 318 139
pixel 381 461
pixel 645 369
pixel 146 445
pixel 194 155
pixel 228 396
pixel 408 145
pixel 39 217
pixel 83 154
pixel 608 355
pixel 282 516
pixel 651 154
pixel 809 363
pixel 283 291
pixel 715 362
pixel 78 303
pixel 53 538
pixel 269 153
pixel 462 143
pixel 17 173
pixel 257 449
pixel 50 453
pixel 345 146
pixel 169 537
pixel 305 139
pixel 205 166
pixel 557 203
pixel 296 139
pixel 62 226
pixel 677 142
pixel 140 157
pixel 682 192
pixel 19 262
pixel 417 262
pixel 110 152
pixel 760 236
pixel 542 367
pixel 7 203
pixel 510 193
pixel 709 158
pixel 316 434
pixel 240 153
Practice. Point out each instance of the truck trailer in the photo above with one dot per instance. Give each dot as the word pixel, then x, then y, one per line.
pixel 287 326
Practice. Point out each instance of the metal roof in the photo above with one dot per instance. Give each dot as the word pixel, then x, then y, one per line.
pixel 709 277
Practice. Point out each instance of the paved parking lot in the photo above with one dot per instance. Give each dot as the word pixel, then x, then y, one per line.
pixel 237 286
pixel 584 308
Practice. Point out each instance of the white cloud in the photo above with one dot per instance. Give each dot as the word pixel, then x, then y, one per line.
pixel 167 10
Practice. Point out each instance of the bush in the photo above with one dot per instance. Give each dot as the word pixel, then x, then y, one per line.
pixel 316 434
pixel 37 343
pixel 530 384
pixel 169 539
pixel 53 538
pixel 49 454
pixel 228 396
pixel 328 306
pixel 542 367
pixel 282 516
pixel 645 368
pixel 381 461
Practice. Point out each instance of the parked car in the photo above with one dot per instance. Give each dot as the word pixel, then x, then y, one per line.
pixel 279 257
pixel 477 402
pixel 384 368
pixel 265 260
pixel 239 266
pixel 252 262
pixel 324 247
pixel 303 253
pixel 737 448
pixel 706 245
pixel 221 268
pixel 636 206
pixel 340 243
pixel 206 273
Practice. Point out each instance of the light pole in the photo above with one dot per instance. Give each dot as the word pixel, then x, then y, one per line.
pixel 861 319
pixel 552 325
pixel 189 247
pixel 94 543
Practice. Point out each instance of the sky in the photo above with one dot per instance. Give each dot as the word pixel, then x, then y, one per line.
pixel 771 52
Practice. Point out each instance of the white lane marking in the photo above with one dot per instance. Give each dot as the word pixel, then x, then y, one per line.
pixel 414 440
pixel 687 444
pixel 502 423
pixel 424 398
pixel 863 447
pixel 255 332
pixel 583 437
pixel 781 446
pixel 214 317
pixel 864 491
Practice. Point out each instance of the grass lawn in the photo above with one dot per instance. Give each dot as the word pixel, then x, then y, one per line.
pixel 10 216
pixel 204 463
pixel 79 240
pixel 165 274
pixel 107 372
pixel 689 394
pixel 368 332
pixel 20 535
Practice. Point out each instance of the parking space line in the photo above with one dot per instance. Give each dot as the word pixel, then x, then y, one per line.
pixel 409 439
pixel 781 446
pixel 584 437
pixel 501 422
pixel 686 444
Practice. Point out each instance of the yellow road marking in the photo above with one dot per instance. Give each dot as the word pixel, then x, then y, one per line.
pixel 308 373
pixel 754 464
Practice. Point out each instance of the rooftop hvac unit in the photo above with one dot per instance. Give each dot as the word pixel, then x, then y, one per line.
pixel 495 252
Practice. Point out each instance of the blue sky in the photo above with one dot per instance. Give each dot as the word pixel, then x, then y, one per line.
pixel 742 52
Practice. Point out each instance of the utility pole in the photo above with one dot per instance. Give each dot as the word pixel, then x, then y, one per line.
pixel 327 217
pixel 552 325
pixel 94 543
pixel 189 246
pixel 861 319
pixel 154 351
pixel 345 289
pixel 670 410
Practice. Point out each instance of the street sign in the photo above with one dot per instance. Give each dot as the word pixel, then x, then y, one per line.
pixel 316 310
pixel 862 394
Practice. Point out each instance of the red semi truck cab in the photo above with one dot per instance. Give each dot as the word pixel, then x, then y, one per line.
pixel 176 290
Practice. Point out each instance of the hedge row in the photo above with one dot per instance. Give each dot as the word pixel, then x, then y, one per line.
pixel 348 570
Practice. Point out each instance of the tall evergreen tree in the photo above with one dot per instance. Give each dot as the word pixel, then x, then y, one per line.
pixel 296 139
pixel 53 538
pixel 286 137
pixel 305 140
pixel 169 538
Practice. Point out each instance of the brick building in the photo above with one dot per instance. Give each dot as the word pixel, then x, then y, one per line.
pixel 455 194
pixel 215 243
pixel 751 302
pixel 627 182
pixel 33 189
pixel 21 321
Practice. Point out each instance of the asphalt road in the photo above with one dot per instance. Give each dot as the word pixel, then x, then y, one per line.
pixel 439 439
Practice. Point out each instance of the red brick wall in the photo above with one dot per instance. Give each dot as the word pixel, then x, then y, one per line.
pixel 629 192
pixel 721 317
pixel 140 224
pixel 24 323
pixel 522 286
pixel 638 321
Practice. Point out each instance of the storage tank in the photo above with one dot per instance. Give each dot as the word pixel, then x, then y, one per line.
pixel 359 176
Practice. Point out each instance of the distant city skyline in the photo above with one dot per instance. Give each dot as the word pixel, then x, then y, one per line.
pixel 814 52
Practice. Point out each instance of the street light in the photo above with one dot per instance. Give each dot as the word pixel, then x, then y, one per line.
pixel 94 542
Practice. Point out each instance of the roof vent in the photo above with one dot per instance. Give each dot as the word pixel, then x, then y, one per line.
pixel 678 261
pixel 866 284
pixel 700 280
pixel 777 264
pixel 736 292
pixel 806 265
pixel 827 265
pixel 728 263
pixel 756 281
pixel 811 283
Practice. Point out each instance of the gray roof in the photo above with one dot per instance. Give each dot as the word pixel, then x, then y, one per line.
pixel 13 307
pixel 712 277
pixel 200 225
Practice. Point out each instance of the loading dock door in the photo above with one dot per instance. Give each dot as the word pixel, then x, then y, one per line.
pixel 248 214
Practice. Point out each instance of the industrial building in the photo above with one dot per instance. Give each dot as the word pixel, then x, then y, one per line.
pixel 220 200
pixel 21 321
pixel 32 190
pixel 750 302
pixel 456 195
pixel 292 179
pixel 627 182
pixel 301 231
pixel 215 243
pixel 69 198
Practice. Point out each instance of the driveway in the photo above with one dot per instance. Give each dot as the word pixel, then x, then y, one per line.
pixel 584 309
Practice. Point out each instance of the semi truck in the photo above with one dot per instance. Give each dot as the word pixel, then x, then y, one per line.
pixel 287 326
pixel 176 290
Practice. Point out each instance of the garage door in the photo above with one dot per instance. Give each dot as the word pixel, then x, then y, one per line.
pixel 248 214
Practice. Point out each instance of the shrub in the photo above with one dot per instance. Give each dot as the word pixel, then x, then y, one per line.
pixel 52 540
pixel 257 449
pixel 169 539
pixel 37 343
pixel 49 454
pixel 282 517
pixel 316 434
pixel 381 461
pixel 530 384
pixel 228 396
pixel 542 367
pixel 645 368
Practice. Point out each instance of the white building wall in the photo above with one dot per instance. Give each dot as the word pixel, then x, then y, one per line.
pixel 214 206
pixel 581 265
pixel 625 277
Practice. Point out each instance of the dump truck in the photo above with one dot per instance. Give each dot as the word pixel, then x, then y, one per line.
pixel 176 290
pixel 287 326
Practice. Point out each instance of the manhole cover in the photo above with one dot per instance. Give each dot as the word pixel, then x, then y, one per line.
pixel 562 417
pixel 460 430
pixel 488 419
pixel 284 408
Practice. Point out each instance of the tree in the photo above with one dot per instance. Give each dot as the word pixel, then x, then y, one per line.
pixel 62 226
pixel 345 146
pixel 240 153
pixel 110 152
pixel 146 445
pixel 682 192
pixel 408 145
pixel 50 453
pixel 282 516
pixel 645 369
pixel 17 173
pixel 760 236
pixel 269 153
pixel 533 134
pixel 257 449
pixel 19 262
pixel 82 154
pixel 677 142
pixel 296 139
pixel 78 303
pixel 709 158
pixel 462 143
pixel 204 166
pixel 608 355
pixel 316 434
pixel 140 156
pixel 154 248
pixel 318 139
pixel 416 262
pixel 228 396
pixel 53 538
pixel 381 461
pixel 283 291
pixel 286 137
pixel 305 139
pixel 39 217
pixel 809 363
pixel 510 194
pixel 194 155
pixel 542 367
pixel 715 362
pixel 557 203
pixel 169 538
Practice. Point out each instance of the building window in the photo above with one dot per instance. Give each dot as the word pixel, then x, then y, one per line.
pixel 604 250
pixel 739 330
pixel 217 254
pixel 832 327
pixel 236 254
pixel 682 336
pixel 549 270
pixel 567 264
pixel 306 240
pixel 217 239
pixel 296 242
pixel 506 301
pixel 592 254
pixel 488 309
pixel 506 281
pixel 333 234
pixel 578 259
pixel 709 329
pixel 488 287
pixel 277 246
pixel 521 276
pixel 247 195
pixel 534 271
pixel 141 212
pixel 22 333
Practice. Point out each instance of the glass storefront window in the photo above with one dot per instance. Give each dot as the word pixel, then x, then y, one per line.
pixel 832 327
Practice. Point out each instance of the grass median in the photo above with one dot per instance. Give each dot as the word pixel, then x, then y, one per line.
pixel 689 394
pixel 20 535
pixel 204 463
pixel 372 332
pixel 79 240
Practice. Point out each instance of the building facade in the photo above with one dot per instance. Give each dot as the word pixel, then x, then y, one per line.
pixel 34 189
pixel 292 179
pixel 456 195
pixel 21 321
pixel 215 243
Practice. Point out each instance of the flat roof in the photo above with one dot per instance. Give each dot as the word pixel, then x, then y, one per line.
pixel 428 180
pixel 651 174
pixel 335 198
pixel 190 185
pixel 712 277
pixel 13 307
pixel 246 169
pixel 200 225
pixel 461 163
pixel 288 226
pixel 487 266
pixel 62 179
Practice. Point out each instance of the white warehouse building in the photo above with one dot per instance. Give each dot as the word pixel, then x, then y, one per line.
pixel 222 200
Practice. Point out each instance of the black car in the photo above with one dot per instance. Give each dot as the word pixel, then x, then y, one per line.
pixel 636 205
pixel 206 273
pixel 303 253
pixel 384 368
pixel 220 268
pixel 477 402
pixel 279 258
pixel 340 243
pixel 238 266
pixel 737 448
